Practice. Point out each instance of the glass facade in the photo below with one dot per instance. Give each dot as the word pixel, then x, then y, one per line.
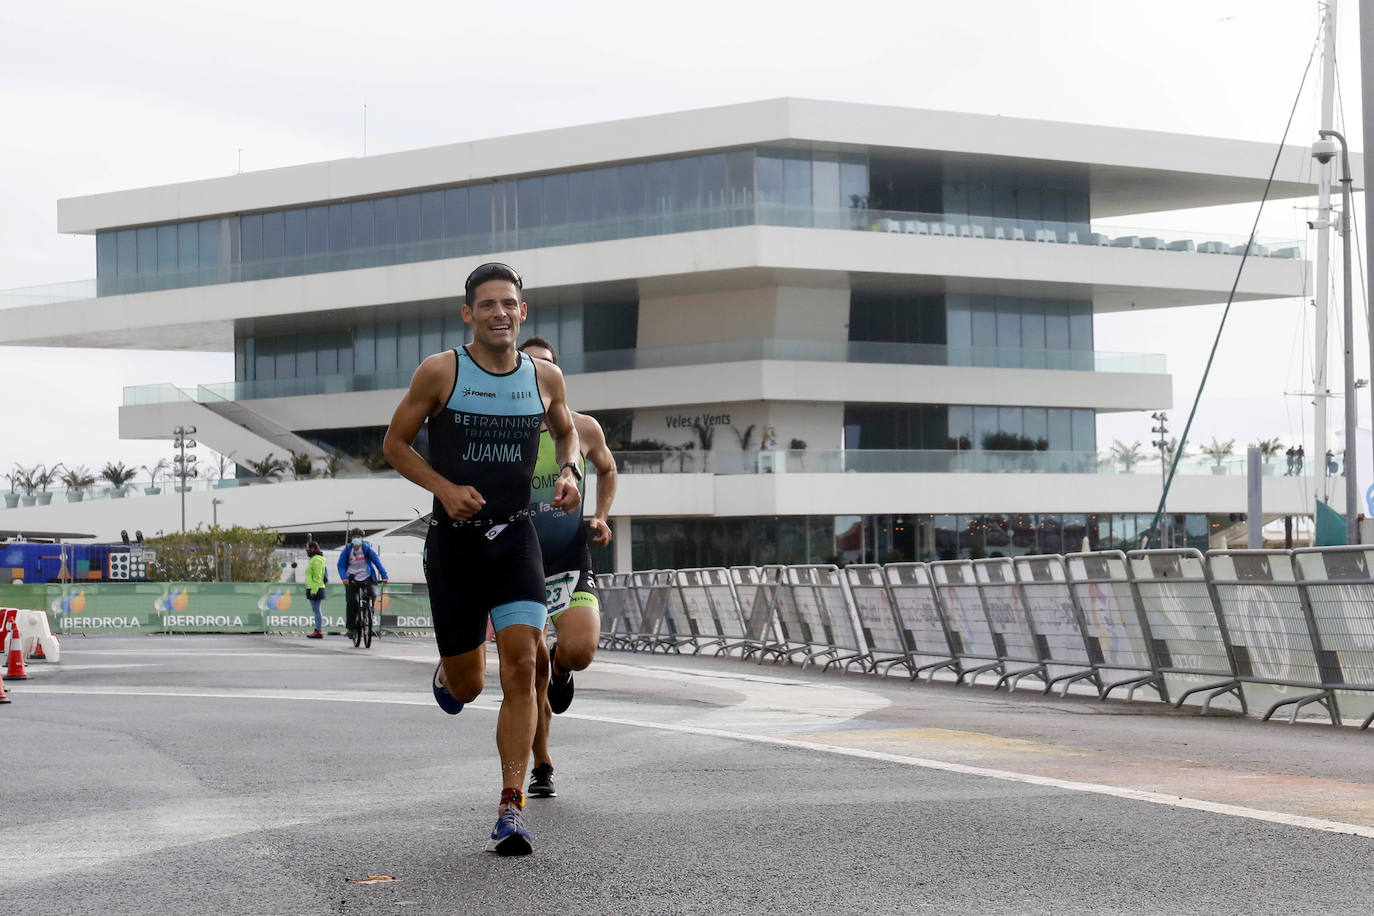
pixel 379 352
pixel 683 543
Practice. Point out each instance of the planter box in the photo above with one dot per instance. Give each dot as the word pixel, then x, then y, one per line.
pixel 11 500
pixel 27 500
pixel 152 491
pixel 44 499
pixel 75 496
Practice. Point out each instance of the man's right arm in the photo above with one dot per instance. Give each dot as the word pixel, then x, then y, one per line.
pixel 428 388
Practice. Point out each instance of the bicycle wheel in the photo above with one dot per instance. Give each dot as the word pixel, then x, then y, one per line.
pixel 367 625
pixel 357 634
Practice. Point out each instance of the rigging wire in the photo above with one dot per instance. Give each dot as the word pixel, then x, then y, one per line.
pixel 1230 298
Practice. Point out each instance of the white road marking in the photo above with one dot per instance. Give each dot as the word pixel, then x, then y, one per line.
pixel 1140 795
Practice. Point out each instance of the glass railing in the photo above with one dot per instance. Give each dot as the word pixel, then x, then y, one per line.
pixel 44 295
pixel 690 355
pixel 765 214
pixel 782 461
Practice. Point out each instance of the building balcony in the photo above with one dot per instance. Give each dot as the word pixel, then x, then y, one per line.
pixel 741 351
pixel 146 274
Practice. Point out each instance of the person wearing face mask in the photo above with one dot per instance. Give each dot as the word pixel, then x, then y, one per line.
pixel 316 575
pixel 357 564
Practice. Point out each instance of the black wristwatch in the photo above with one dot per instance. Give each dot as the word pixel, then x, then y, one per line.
pixel 573 467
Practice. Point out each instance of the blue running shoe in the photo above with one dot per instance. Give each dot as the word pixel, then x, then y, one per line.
pixel 441 695
pixel 509 837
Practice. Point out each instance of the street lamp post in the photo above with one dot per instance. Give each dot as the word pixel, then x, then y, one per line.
pixel 1162 443
pixel 348 514
pixel 183 465
pixel 1323 151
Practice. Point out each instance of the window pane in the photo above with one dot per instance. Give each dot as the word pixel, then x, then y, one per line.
pixel 107 262
pixel 1035 425
pixel 479 217
pixel 307 348
pixel 384 229
pixel 316 230
pixel 770 179
pixel 265 359
pixel 1081 327
pixel 407 227
pixel 633 200
pixel 431 336
pixel 1084 431
pixel 581 206
pixel 188 249
pixel 327 354
pixel 167 249
pixel 1061 430
pixel 127 255
pixel 1056 329
pixel 294 239
pixel 209 249
pixel 250 229
pixel 983 312
pixel 825 181
pixel 360 218
pixel 273 243
pixel 286 357
pixel 797 182
pixel 340 231
pixel 739 180
pixel 659 195
pixel 854 181
pixel 365 346
pixel 456 215
pixel 984 425
pixel 147 251
pixel 408 345
pixel 686 193
pixel 386 346
pixel 431 216
pixel 607 189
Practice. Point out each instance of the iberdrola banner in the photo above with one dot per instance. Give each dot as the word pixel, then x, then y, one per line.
pixel 215 607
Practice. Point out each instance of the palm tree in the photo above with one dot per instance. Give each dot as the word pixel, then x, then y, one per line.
pixel 1219 451
pixel 153 471
pixel 76 480
pixel 269 468
pixel 1128 456
pixel 118 476
pixel 1268 447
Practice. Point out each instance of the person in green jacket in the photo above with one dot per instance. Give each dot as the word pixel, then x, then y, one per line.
pixel 316 575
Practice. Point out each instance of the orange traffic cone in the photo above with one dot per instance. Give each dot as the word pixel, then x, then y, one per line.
pixel 3 699
pixel 14 663
pixel 38 650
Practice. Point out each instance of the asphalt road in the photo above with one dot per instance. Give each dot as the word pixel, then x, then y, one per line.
pixel 255 774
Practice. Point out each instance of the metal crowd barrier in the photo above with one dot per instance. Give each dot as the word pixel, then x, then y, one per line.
pixel 1174 621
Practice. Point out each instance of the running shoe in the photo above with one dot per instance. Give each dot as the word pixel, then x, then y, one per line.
pixel 509 837
pixel 560 687
pixel 541 781
pixel 441 695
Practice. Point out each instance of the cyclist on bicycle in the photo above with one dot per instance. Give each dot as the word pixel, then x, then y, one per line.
pixel 357 561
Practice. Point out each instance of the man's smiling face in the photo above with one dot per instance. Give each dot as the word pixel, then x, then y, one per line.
pixel 495 314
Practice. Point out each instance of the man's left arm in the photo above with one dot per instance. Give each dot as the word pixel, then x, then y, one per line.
pixel 565 442
pixel 593 441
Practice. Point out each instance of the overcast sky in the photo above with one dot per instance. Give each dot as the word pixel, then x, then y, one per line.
pixel 99 97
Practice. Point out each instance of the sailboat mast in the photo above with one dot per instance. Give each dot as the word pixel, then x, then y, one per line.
pixel 1321 386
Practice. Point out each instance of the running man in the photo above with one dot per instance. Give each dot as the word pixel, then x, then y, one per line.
pixel 484 404
pixel 574 607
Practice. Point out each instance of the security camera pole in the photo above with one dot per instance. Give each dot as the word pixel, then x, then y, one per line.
pixel 1323 154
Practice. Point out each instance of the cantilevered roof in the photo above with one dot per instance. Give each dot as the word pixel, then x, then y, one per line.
pixel 1131 171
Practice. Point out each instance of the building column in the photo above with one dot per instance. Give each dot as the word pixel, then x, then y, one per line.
pixel 620 529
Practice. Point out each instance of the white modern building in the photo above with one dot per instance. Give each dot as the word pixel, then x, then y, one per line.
pixel 812 329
